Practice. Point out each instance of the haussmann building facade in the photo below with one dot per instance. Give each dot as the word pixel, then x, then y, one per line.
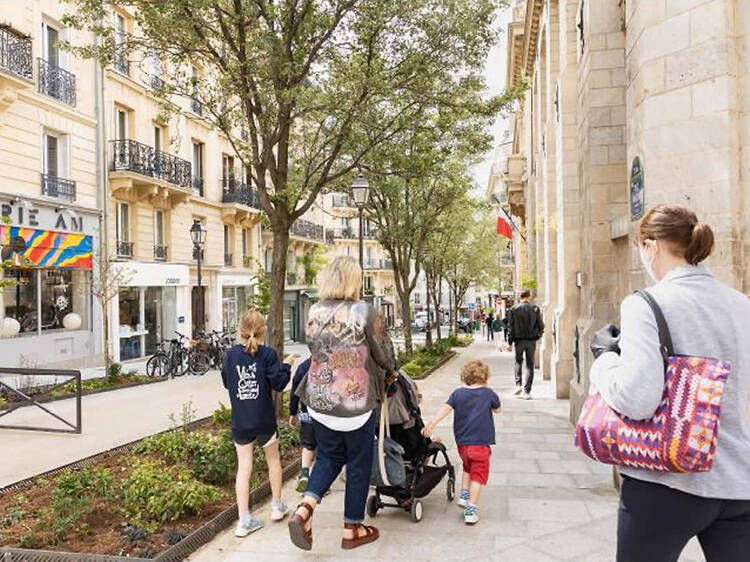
pixel 631 104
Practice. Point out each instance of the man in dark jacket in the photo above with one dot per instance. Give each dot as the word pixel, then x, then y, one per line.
pixel 525 327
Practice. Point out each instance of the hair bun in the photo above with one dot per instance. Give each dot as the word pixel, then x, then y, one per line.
pixel 701 243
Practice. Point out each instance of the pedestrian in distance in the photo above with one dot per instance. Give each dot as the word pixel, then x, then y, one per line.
pixel 525 327
pixel 300 418
pixel 474 430
pixel 488 322
pixel 505 328
pixel 251 372
pixel 661 511
pixel 352 358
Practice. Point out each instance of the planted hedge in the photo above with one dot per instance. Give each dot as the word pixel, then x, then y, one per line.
pixel 418 363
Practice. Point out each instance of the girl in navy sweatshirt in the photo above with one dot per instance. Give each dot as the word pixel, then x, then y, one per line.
pixel 251 372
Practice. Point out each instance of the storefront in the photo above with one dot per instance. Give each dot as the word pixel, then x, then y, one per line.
pixel 234 295
pixel 153 303
pixel 47 309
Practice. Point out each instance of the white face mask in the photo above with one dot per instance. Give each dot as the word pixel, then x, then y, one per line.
pixel 648 264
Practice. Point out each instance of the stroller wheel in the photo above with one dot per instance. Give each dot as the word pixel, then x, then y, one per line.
pixel 372 506
pixel 416 511
pixel 450 489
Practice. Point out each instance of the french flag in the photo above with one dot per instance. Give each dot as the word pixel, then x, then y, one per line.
pixel 503 223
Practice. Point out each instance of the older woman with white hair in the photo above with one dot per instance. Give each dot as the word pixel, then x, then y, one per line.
pixel 351 358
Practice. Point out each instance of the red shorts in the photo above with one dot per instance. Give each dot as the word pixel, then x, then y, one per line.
pixel 476 461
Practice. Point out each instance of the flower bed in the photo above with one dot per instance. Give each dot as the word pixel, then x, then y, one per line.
pixel 425 360
pixel 137 501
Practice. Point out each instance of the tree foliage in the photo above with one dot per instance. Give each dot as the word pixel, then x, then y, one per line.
pixel 314 86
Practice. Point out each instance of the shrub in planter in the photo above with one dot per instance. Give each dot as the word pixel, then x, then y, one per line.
pixel 212 458
pixel 425 361
pixel 412 368
pixel 76 496
pixel 172 444
pixel 222 415
pixel 156 492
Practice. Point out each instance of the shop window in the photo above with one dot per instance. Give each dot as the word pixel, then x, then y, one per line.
pixel 159 316
pixel 20 299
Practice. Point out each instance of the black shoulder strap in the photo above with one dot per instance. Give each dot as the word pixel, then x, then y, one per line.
pixel 665 338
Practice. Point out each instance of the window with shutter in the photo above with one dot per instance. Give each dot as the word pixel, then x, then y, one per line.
pixel 51 156
pixel 51 50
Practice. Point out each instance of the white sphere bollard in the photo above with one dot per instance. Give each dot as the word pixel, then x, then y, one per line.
pixel 10 327
pixel 72 321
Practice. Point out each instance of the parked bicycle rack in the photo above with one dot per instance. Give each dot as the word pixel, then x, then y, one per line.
pixel 38 399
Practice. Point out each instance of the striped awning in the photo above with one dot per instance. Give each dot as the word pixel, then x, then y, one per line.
pixel 30 247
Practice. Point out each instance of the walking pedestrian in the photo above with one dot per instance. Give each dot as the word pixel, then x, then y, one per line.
pixel 488 322
pixel 505 328
pixel 299 418
pixel 352 356
pixel 474 432
pixel 525 327
pixel 250 373
pixel 660 512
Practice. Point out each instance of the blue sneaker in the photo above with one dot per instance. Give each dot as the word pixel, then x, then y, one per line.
pixel 471 517
pixel 244 528
pixel 463 498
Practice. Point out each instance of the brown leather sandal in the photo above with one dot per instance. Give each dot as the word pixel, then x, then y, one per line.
pixel 301 537
pixel 371 534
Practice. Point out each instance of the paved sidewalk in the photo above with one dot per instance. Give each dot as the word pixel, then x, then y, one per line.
pixel 109 419
pixel 545 501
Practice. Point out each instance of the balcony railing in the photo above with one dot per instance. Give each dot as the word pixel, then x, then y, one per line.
pixel 378 264
pixel 198 186
pixel 60 188
pixel 121 64
pixel 291 278
pixel 307 229
pixel 137 157
pixel 57 83
pixel 156 82
pixel 343 201
pixel 247 261
pixel 15 54
pixel 234 191
pixel 352 234
pixel 160 253
pixel 228 260
pixel 124 249
pixel 196 106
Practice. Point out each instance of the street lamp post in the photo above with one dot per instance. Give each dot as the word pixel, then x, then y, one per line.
pixel 361 192
pixel 198 236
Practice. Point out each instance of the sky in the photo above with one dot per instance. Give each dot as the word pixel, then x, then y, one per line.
pixel 494 72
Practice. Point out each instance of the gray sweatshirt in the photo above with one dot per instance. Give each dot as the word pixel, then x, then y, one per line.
pixel 706 319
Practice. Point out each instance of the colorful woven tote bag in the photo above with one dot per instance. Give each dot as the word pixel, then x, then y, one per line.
pixel 682 434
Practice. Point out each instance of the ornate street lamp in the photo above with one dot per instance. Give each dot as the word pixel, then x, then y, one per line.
pixel 198 236
pixel 361 192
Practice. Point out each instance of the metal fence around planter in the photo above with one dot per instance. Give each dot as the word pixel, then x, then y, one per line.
pixel 57 82
pixel 176 553
pixel 15 54
pixel 60 188
pixel 37 400
pixel 134 156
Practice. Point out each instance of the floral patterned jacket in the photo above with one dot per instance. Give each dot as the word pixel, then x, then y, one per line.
pixel 351 357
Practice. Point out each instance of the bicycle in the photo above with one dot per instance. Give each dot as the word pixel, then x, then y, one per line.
pixel 169 361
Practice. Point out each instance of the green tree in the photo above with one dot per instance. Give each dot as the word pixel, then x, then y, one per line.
pixel 313 86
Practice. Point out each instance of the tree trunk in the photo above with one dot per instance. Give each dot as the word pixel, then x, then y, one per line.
pixel 107 355
pixel 436 303
pixel 278 282
pixel 454 326
pixel 428 327
pixel 406 315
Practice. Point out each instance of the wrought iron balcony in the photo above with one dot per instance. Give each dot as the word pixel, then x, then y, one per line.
pixel 234 191
pixel 57 83
pixel 343 201
pixel 352 234
pixel 124 249
pixel 378 264
pixel 228 260
pixel 198 186
pixel 156 82
pixel 134 156
pixel 15 54
pixel 291 278
pixel 160 252
pixel 121 64
pixel 307 229
pixel 60 188
pixel 247 261
pixel 196 106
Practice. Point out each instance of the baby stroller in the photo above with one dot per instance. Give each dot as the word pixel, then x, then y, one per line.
pixel 426 461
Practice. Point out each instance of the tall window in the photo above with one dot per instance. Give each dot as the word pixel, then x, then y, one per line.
pixel 227 168
pixel 53 164
pixel 245 248
pixel 157 137
pixel 50 50
pixel 121 124
pixel 159 228
pixel 121 61
pixel 197 168
pixel 123 222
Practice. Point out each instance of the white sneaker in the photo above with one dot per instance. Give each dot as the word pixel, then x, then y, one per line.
pixel 525 396
pixel 244 530
pixel 471 517
pixel 463 499
pixel 518 391
pixel 278 513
